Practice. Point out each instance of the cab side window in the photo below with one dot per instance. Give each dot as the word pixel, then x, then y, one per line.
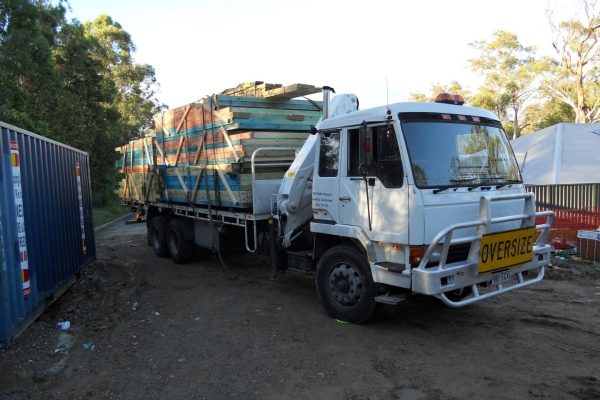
pixel 353 152
pixel 375 152
pixel 329 155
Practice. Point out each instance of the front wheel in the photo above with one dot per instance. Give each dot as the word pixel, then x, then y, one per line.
pixel 345 286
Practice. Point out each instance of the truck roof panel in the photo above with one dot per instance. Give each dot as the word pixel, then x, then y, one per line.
pixel 380 113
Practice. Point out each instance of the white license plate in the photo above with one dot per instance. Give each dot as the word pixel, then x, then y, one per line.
pixel 500 277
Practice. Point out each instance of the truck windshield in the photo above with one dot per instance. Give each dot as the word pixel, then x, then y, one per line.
pixel 454 152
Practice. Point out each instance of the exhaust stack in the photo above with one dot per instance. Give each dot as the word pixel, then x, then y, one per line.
pixel 327 90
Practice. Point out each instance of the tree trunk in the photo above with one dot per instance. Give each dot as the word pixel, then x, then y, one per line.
pixel 581 107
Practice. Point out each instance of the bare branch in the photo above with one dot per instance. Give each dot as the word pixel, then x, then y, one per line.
pixel 562 96
pixel 593 110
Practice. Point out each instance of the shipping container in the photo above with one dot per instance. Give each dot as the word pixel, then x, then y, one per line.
pixel 46 231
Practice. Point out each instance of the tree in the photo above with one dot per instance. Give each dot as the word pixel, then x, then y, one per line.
pixel 573 77
pixel 542 115
pixel 74 83
pixel 135 83
pixel 29 84
pixel 87 119
pixel 509 70
pixel 454 87
pixel 419 97
pixel 490 100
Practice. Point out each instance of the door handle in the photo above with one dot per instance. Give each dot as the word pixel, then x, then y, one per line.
pixel 345 199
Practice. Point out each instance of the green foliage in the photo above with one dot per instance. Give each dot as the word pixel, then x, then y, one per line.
pixel 135 83
pixel 454 88
pixel 109 210
pixel 542 115
pixel 28 81
pixel 490 100
pixel 74 83
pixel 419 97
pixel 509 69
pixel 573 77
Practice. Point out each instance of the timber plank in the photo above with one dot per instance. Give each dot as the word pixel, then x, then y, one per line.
pixel 291 91
pixel 238 101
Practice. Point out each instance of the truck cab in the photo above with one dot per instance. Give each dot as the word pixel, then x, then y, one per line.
pixel 423 198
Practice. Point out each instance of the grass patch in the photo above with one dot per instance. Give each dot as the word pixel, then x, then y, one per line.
pixel 106 213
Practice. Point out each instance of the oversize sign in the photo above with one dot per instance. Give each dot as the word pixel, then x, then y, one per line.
pixel 505 249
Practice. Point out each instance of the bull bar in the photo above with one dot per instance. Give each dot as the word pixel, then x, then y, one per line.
pixel 434 276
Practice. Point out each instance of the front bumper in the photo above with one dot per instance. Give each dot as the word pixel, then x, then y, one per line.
pixel 439 279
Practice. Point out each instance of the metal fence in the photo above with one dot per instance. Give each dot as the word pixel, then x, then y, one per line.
pixel 579 196
pixel 576 206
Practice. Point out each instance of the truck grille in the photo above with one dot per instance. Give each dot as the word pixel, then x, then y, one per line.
pixel 458 252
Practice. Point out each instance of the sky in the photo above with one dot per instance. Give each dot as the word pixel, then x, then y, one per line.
pixel 379 50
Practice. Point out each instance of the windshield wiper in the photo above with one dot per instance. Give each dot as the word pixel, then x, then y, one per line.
pixel 503 181
pixel 508 182
pixel 486 182
pixel 471 185
pixel 488 186
pixel 446 187
pixel 457 183
pixel 482 186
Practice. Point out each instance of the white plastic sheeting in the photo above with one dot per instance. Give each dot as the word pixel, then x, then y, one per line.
pixel 565 153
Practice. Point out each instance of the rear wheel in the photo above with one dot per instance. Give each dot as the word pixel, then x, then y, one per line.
pixel 157 236
pixel 344 285
pixel 181 249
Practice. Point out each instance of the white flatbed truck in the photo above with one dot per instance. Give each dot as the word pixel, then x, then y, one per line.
pixel 422 198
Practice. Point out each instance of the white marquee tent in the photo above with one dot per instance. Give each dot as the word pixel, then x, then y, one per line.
pixel 565 153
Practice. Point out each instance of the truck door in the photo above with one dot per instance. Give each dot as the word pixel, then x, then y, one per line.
pixel 373 193
pixel 326 184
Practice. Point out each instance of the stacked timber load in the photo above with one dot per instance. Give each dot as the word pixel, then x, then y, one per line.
pixel 200 153
pixel 137 165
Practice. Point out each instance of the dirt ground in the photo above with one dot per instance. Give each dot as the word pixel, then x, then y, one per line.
pixel 145 328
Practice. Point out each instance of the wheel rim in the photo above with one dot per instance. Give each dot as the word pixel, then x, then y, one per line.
pixel 345 284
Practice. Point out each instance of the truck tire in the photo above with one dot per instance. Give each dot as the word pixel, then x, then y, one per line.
pixel 345 286
pixel 157 236
pixel 181 249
